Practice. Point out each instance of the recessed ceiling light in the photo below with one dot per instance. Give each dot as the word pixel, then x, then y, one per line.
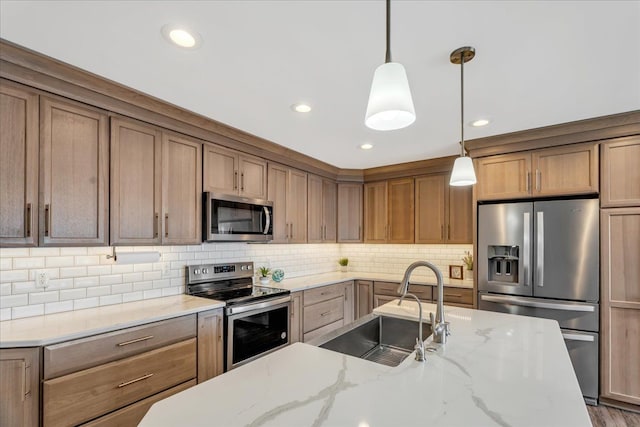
pixel 181 36
pixel 301 108
pixel 366 146
pixel 480 122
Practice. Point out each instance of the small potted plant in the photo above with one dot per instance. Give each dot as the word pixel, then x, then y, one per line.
pixel 344 263
pixel 468 260
pixel 264 274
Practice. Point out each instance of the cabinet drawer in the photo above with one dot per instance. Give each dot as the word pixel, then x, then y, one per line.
pixel 72 356
pixel 323 293
pixel 324 330
pixel 84 395
pixel 323 313
pixel 457 295
pixel 423 292
pixel 132 415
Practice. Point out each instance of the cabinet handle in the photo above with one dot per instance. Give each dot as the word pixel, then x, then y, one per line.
pixel 538 179
pixel 166 225
pixel 235 180
pixel 26 385
pixel 126 383
pixel 446 294
pixel 47 219
pixel 291 233
pixel 219 328
pixel 359 232
pixel 286 231
pixel 155 226
pixel 386 227
pixel 528 182
pixel 242 181
pixel 325 313
pixel 133 341
pixel 449 232
pixel 27 220
pixel 442 232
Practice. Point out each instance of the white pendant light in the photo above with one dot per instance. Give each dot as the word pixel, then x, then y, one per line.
pixel 463 173
pixel 390 104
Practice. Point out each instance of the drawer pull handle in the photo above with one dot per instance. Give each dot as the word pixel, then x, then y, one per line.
pixel 122 344
pixel 144 377
pixel 325 313
pixel 453 295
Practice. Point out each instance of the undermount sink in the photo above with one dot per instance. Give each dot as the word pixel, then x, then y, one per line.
pixel 381 339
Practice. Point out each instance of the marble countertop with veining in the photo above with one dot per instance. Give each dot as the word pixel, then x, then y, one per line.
pixel 495 370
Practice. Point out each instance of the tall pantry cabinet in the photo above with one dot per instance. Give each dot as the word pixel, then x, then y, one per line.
pixel 620 281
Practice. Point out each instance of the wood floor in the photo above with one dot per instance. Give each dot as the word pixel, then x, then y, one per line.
pixel 606 416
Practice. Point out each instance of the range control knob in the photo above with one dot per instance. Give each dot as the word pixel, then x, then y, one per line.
pixel 249 267
pixel 205 271
pixel 196 271
pixel 244 267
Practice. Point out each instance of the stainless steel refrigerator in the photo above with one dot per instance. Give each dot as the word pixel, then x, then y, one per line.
pixel 541 259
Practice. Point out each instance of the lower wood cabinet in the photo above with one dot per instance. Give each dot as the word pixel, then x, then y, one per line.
pixel 458 297
pixel 363 298
pixel 327 308
pixel 383 292
pixel 19 387
pixel 210 344
pixel 295 329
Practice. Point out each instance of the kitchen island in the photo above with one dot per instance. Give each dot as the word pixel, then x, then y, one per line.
pixel 495 370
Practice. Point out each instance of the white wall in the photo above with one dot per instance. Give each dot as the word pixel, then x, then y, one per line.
pixel 84 277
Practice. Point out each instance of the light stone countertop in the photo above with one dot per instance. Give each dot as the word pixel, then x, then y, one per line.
pixel 313 281
pixel 53 328
pixel 496 370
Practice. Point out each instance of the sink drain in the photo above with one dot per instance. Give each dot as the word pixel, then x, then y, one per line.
pixel 431 349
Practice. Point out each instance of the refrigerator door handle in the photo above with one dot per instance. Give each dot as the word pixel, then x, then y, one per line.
pixel 540 250
pixel 577 337
pixel 526 256
pixel 536 304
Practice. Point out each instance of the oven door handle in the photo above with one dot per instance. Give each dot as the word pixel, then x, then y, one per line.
pixel 257 306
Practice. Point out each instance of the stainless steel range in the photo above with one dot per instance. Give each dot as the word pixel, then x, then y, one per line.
pixel 256 320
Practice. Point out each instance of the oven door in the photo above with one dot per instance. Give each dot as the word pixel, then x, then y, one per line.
pixel 254 330
pixel 233 218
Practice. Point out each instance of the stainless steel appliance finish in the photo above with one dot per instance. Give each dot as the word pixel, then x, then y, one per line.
pixel 541 259
pixel 256 318
pixel 230 218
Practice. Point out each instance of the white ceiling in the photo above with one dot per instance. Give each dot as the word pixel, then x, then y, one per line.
pixel 537 63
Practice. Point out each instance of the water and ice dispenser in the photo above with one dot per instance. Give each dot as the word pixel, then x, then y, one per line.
pixel 503 263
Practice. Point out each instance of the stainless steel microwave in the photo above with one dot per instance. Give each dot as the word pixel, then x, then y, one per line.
pixel 236 219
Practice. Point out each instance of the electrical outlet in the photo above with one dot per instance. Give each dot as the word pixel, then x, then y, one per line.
pixel 43 279
pixel 165 269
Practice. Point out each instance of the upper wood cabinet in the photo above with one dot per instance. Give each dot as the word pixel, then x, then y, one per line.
pixel 154 198
pixel 20 387
pixel 620 322
pixel 181 190
pixel 74 175
pixel 288 191
pixel 389 211
pixel 620 176
pixel 18 166
pixel 558 171
pixel 443 213
pixel 349 213
pixel 230 172
pixel 321 202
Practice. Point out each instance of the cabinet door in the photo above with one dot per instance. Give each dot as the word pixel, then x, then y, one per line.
pixel 18 166
pixel 379 300
pixel 295 329
pixel 566 170
pixel 620 276
pixel 620 172
pixel 277 193
pixel 136 151
pixel 375 212
pixel 329 210
pixel 459 214
pixel 253 177
pixel 182 190
pixel 401 211
pixel 74 175
pixel 507 176
pixel 210 344
pixel 297 206
pixel 349 213
pixel 19 388
pixel 349 302
pixel 220 170
pixel 430 209
pixel 364 297
pixel 315 223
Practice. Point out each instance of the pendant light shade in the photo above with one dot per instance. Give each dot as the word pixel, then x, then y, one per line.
pixel 390 104
pixel 463 173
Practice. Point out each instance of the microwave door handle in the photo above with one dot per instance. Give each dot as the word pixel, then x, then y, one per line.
pixel 267 216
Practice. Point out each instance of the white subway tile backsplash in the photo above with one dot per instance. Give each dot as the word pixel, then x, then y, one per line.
pixel 14 300
pixel 27 311
pixel 57 284
pixel 73 272
pixel 5 289
pixel 43 297
pixel 84 282
pixel 58 307
pixel 72 294
pixel 45 251
pixel 73 251
pixel 13 252
pixel 111 279
pixel 28 262
pixel 121 288
pixel 132 296
pixel 8 276
pixel 5 314
pixel 98 291
pixel 24 287
pixel 153 293
pixel 79 304
pixel 87 260
pixel 122 268
pixel 6 263
pixel 98 270
pixel 111 299
pixel 142 286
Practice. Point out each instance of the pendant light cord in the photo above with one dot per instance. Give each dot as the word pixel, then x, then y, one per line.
pixel 462 103
pixel 387 57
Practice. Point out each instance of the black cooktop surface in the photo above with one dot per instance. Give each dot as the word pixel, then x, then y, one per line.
pixel 241 295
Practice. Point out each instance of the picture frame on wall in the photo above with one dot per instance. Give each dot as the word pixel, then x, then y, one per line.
pixel 456 272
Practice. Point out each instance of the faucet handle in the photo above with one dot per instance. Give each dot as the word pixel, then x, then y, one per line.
pixel 419 348
pixel 433 322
